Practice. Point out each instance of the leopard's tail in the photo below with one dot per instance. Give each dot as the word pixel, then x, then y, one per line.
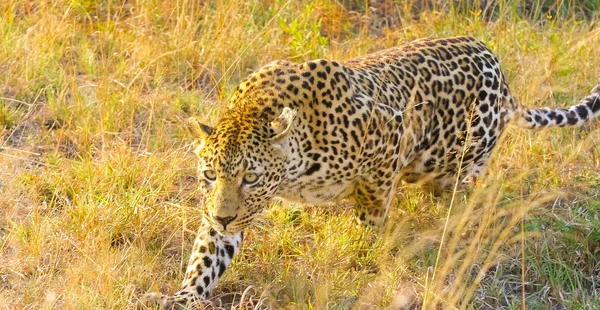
pixel 587 109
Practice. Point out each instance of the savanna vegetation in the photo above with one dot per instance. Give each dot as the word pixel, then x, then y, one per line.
pixel 97 201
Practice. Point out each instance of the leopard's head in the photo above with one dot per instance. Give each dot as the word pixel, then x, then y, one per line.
pixel 241 162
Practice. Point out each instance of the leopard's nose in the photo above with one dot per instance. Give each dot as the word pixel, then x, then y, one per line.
pixel 225 220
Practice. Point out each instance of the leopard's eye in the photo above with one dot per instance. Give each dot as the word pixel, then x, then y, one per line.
pixel 250 177
pixel 210 175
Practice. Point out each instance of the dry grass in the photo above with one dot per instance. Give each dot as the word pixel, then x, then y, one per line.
pixel 96 180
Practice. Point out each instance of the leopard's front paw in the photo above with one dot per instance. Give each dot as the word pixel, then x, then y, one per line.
pixel 158 301
pixel 148 301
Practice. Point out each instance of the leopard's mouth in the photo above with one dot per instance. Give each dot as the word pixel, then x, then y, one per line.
pixel 227 228
pixel 233 228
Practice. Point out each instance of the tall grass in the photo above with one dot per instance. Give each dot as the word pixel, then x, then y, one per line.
pixel 97 183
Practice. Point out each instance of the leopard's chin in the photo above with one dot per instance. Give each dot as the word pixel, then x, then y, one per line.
pixel 227 232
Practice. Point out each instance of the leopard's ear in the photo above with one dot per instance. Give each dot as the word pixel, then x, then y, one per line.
pixel 199 133
pixel 282 126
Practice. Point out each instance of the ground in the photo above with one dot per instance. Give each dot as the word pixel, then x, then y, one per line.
pixel 97 199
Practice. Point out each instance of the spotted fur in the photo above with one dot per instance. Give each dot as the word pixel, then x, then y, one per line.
pixel 323 130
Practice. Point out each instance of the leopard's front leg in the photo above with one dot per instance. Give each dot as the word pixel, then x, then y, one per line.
pixel 372 201
pixel 211 254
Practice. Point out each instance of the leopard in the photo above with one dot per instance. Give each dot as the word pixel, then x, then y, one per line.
pixel 323 131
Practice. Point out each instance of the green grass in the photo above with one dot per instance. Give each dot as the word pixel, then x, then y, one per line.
pixel 97 193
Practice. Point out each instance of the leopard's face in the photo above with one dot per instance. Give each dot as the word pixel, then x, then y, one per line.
pixel 240 168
